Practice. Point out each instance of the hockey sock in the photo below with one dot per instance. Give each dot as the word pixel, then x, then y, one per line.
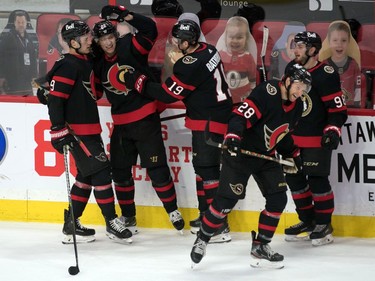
pixel 106 200
pixel 210 188
pixel 323 199
pixel 80 194
pixel 167 195
pixel 201 196
pixel 125 192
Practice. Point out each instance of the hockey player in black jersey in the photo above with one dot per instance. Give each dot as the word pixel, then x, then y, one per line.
pixel 137 127
pixel 74 113
pixel 198 81
pixel 317 134
pixel 261 124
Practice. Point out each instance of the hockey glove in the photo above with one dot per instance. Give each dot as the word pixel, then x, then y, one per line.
pixel 42 94
pixel 60 136
pixel 135 80
pixel 330 138
pixel 295 158
pixel 233 144
pixel 116 13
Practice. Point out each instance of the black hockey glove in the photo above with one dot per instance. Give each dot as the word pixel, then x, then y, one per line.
pixel 233 144
pixel 295 158
pixel 42 94
pixel 116 13
pixel 331 138
pixel 134 80
pixel 60 136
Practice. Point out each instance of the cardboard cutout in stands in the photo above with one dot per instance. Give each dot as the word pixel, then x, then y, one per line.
pixel 238 53
pixel 282 51
pixel 340 50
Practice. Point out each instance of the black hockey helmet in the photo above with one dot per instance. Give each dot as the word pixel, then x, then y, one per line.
pixel 74 29
pixel 187 30
pixel 310 39
pixel 103 28
pixel 170 8
pixel 297 73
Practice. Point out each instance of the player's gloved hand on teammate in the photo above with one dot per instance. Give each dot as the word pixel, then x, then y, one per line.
pixel 233 144
pixel 134 80
pixel 42 94
pixel 60 136
pixel 331 138
pixel 116 13
pixel 294 158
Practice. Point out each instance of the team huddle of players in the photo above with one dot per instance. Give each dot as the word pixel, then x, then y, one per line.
pixel 298 117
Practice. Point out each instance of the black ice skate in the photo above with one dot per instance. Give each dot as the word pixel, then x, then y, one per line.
pixel 130 223
pixel 177 220
pixel 196 224
pixel 83 234
pixel 198 251
pixel 118 232
pixel 299 232
pixel 322 235
pixel 222 234
pixel 263 256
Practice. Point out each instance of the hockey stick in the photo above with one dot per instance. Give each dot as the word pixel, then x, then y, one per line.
pixel 210 142
pixel 79 141
pixel 172 117
pixel 263 51
pixel 73 270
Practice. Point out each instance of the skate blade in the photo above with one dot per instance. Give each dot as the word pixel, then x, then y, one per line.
pixel 125 241
pixel 263 263
pixel 322 241
pixel 68 239
pixel 181 232
pixel 304 236
pixel 220 238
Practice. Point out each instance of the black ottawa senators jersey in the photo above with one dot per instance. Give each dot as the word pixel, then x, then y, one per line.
pixel 198 81
pixel 324 105
pixel 131 52
pixel 73 95
pixel 263 120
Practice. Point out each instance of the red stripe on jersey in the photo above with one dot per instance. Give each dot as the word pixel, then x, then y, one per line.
pixel 177 97
pixel 331 110
pixel 199 125
pixel 331 96
pixel 130 117
pixel 139 47
pixel 250 104
pixel 185 86
pixel 63 80
pixel 59 94
pixel 301 141
pixel 86 129
pixel 212 185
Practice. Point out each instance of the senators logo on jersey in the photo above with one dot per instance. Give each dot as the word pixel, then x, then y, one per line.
pixel 271 138
pixel 115 79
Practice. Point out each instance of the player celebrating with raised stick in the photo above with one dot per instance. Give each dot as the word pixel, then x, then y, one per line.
pixel 262 123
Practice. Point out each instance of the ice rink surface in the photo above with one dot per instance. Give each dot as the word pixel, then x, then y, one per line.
pixel 33 251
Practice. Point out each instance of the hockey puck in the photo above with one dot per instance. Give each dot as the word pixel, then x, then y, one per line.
pixel 73 270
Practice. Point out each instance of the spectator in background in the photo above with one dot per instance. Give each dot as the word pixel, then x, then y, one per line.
pixel 253 13
pixel 341 51
pixel 283 50
pixel 57 46
pixel 238 51
pixel 18 56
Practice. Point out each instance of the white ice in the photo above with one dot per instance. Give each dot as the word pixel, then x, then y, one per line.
pixel 33 251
